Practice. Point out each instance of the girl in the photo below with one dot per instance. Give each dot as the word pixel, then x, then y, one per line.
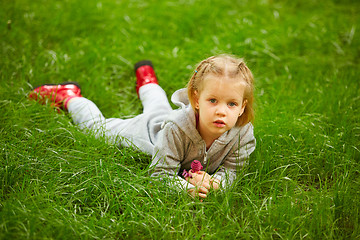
pixel 212 125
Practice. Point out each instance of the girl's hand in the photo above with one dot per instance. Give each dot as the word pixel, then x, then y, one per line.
pixel 198 192
pixel 215 183
pixel 201 178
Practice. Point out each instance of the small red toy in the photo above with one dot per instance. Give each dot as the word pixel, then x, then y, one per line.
pixel 195 167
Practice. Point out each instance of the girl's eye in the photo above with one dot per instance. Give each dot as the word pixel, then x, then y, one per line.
pixel 212 100
pixel 232 104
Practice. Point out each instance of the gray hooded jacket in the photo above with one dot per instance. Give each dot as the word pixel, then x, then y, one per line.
pixel 179 143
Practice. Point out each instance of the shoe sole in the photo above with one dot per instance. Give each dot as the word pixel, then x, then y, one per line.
pixel 54 84
pixel 143 63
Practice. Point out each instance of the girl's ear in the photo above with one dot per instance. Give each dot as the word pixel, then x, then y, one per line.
pixel 196 99
pixel 243 107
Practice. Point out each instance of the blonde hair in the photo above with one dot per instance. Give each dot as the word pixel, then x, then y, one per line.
pixel 224 66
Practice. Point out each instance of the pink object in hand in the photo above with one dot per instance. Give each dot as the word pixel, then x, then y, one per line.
pixel 196 166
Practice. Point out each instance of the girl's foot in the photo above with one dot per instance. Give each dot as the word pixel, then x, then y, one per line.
pixel 145 74
pixel 57 94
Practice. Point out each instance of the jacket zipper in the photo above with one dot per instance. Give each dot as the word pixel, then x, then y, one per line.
pixel 205 156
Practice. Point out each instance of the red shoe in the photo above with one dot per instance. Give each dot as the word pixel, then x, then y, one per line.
pixel 144 74
pixel 58 94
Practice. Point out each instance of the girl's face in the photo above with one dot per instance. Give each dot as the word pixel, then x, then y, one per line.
pixel 220 103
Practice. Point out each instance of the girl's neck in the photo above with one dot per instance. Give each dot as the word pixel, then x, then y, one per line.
pixel 208 143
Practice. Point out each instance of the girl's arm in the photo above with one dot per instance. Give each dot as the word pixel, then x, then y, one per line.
pixel 169 152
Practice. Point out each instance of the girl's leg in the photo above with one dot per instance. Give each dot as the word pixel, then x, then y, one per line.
pixel 152 96
pixel 131 132
pixel 154 99
pixel 85 113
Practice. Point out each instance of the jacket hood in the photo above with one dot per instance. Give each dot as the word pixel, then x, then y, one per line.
pixel 180 98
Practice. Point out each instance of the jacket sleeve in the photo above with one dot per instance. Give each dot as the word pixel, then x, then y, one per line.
pixel 168 154
pixel 237 157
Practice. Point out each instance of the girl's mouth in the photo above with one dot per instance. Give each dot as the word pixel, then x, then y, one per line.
pixel 219 123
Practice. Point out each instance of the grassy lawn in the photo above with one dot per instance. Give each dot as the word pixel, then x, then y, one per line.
pixel 302 181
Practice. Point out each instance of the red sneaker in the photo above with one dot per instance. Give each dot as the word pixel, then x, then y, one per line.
pixel 58 94
pixel 145 74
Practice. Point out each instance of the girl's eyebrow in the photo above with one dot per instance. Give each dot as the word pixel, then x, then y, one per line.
pixel 211 96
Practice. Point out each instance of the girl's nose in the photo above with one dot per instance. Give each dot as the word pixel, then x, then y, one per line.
pixel 220 110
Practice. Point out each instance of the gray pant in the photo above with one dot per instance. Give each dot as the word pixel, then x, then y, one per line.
pixel 140 131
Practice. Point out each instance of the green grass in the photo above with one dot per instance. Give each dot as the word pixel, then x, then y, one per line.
pixel 302 181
